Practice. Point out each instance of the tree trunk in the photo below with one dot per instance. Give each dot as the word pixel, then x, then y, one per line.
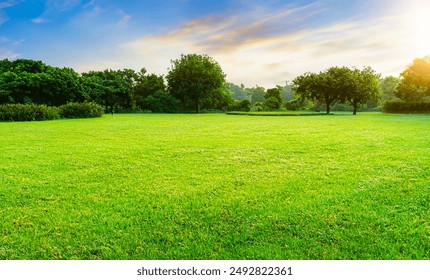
pixel 328 107
pixel 355 109
pixel 197 106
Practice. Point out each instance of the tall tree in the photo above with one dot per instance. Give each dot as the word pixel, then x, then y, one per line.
pixel 415 83
pixel 360 87
pixel 257 94
pixel 273 98
pixel 197 81
pixel 320 87
pixel 388 86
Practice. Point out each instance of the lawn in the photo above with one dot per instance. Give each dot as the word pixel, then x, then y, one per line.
pixel 216 186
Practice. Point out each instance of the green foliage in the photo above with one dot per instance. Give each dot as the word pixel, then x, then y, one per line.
pixel 271 103
pixel 81 110
pixel 273 98
pixel 338 85
pixel 244 105
pixel 295 105
pixel 406 107
pixel 415 83
pixel 146 85
pixel 161 102
pixel 27 112
pixel 197 81
pixel 257 94
pixel 388 86
pixel 239 92
pixel 27 81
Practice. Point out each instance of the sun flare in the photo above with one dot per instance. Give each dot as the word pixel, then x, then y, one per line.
pixel 419 23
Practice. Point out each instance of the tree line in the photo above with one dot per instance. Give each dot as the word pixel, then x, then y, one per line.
pixel 197 82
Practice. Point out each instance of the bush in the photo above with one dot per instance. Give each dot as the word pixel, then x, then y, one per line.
pixel 295 105
pixel 244 105
pixel 81 110
pixel 160 102
pixel 28 112
pixel 405 107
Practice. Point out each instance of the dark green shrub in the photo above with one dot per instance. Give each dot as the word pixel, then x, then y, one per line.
pixel 81 110
pixel 295 105
pixel 27 112
pixel 244 106
pixel 394 106
pixel 161 102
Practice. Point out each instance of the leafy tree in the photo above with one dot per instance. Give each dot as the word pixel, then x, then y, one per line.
pixel 197 81
pixel 360 87
pixel 387 87
pixel 108 88
pixel 317 86
pixel 415 83
pixel 257 94
pixel 339 84
pixel 273 98
pixel 287 92
pixel 147 85
pixel 239 92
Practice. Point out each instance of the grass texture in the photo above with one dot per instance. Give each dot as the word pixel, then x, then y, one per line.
pixel 216 186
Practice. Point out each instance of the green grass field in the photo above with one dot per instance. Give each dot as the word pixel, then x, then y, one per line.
pixel 216 186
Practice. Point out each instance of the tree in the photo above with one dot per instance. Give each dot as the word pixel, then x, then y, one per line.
pixel 319 87
pixel 387 87
pixel 415 83
pixel 339 84
pixel 196 81
pixel 273 98
pixel 360 87
pixel 147 85
pixel 239 92
pixel 109 88
pixel 257 94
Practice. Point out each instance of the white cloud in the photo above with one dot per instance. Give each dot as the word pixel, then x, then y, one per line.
pixel 39 20
pixel 254 50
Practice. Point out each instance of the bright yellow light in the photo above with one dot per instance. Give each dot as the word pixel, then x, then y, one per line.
pixel 419 26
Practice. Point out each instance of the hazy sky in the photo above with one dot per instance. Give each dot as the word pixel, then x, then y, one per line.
pixel 263 42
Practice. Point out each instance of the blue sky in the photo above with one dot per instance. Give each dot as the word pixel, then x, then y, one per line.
pixel 256 42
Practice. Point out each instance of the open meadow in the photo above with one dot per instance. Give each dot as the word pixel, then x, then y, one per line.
pixel 214 186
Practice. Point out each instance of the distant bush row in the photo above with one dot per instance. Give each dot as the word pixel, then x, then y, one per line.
pixel 406 107
pixel 32 112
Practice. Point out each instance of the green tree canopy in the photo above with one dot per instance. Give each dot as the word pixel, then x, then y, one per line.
pixel 339 84
pixel 415 83
pixel 273 98
pixel 197 81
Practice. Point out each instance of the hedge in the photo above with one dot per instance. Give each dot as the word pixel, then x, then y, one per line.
pixel 33 112
pixel 395 106
pixel 81 110
pixel 28 112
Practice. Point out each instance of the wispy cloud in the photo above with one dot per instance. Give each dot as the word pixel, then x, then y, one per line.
pixel 125 19
pixel 8 48
pixel 284 42
pixel 6 4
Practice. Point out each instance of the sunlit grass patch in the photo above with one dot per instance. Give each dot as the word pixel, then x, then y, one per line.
pixel 216 186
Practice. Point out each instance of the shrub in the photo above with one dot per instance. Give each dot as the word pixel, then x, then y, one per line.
pixel 295 105
pixel 27 112
pixel 161 102
pixel 244 105
pixel 394 106
pixel 81 110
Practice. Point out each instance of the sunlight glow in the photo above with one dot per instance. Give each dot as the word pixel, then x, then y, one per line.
pixel 419 22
